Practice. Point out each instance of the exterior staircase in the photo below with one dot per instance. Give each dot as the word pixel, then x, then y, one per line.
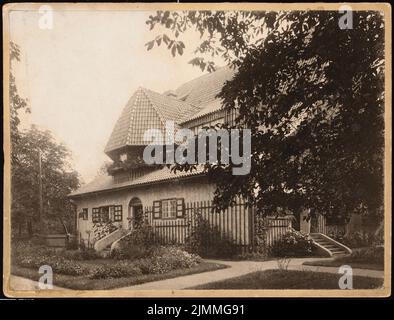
pixel 327 246
pixel 106 242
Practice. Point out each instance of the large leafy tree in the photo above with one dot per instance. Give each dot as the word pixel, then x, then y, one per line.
pixel 313 96
pixel 58 178
pixel 17 103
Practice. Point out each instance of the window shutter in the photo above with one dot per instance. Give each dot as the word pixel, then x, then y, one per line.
pixel 180 207
pixel 111 213
pixel 156 209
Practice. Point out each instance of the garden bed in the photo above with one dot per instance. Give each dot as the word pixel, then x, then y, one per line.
pixel 289 279
pixel 84 283
pixel 85 269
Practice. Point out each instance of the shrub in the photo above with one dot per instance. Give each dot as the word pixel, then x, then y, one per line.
pixel 117 270
pixel 207 241
pixel 165 259
pixel 33 256
pixel 367 255
pixel 72 243
pixel 292 244
pixel 138 244
pixel 358 239
pixel 57 263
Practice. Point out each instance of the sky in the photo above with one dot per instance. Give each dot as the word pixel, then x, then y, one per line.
pixel 78 75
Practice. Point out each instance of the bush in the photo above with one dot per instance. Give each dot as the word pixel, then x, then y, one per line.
pixel 165 259
pixel 138 244
pixel 358 239
pixel 207 241
pixel 72 243
pixel 33 256
pixel 117 270
pixel 292 244
pixel 368 255
pixel 57 263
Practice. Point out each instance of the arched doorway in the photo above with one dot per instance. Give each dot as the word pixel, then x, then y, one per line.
pixel 136 213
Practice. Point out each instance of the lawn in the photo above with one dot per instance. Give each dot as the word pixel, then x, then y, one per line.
pixel 361 258
pixel 289 279
pixel 341 262
pixel 84 283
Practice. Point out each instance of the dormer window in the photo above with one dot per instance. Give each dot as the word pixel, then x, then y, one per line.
pixel 123 157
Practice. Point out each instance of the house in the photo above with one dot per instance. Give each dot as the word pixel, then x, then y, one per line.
pixel 133 190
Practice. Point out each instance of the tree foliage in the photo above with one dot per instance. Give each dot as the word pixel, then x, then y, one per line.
pixel 59 179
pixel 17 103
pixel 313 96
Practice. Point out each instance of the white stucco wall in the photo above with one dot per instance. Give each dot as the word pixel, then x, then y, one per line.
pixel 192 189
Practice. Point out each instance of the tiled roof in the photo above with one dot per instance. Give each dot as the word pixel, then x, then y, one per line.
pixel 204 89
pixel 107 183
pixel 210 107
pixel 145 110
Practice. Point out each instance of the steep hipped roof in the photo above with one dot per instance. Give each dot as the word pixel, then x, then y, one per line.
pixel 107 183
pixel 204 89
pixel 209 108
pixel 145 110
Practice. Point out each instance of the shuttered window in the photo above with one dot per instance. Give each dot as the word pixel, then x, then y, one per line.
pixel 168 208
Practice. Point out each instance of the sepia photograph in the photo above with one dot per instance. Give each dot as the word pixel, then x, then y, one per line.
pixel 197 150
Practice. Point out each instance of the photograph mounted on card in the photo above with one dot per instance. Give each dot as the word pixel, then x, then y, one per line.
pixel 197 150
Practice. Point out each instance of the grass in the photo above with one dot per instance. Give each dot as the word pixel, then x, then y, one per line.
pixel 289 279
pixel 84 283
pixel 342 261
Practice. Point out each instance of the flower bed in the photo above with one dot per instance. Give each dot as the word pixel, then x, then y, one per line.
pixel 161 260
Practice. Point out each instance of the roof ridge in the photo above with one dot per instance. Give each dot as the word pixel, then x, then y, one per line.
pixel 146 92
pixel 179 110
pixel 203 75
pixel 132 111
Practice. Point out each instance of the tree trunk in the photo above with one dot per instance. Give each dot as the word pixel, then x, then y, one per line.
pixel 29 228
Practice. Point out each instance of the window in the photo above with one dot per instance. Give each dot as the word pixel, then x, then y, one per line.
pixel 168 208
pixel 85 214
pixel 117 213
pixel 100 214
pixel 104 214
pixel 96 215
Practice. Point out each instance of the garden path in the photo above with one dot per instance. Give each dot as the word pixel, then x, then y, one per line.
pixel 236 269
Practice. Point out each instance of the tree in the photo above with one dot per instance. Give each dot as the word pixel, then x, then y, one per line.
pixel 17 103
pixel 313 96
pixel 58 181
